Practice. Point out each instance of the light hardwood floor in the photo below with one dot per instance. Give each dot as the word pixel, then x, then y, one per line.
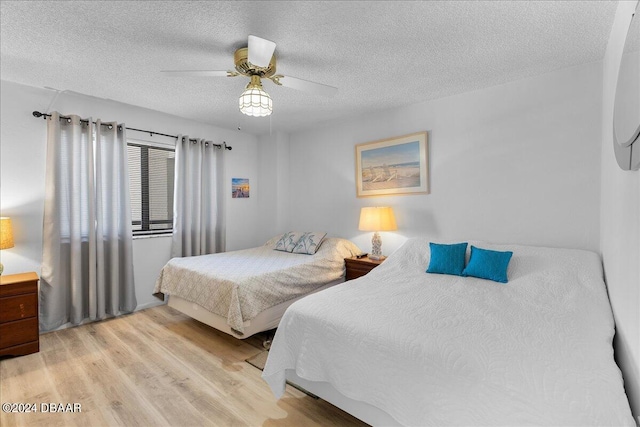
pixel 156 367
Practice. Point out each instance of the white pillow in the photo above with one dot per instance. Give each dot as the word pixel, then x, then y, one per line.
pixel 288 241
pixel 309 242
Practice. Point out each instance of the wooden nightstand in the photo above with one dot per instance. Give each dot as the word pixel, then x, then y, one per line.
pixel 19 331
pixel 357 267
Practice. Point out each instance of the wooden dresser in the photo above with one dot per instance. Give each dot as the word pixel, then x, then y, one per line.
pixel 19 332
pixel 357 267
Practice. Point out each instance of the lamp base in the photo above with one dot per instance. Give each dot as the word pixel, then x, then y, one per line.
pixel 376 247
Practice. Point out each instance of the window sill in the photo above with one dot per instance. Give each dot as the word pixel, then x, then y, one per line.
pixel 151 236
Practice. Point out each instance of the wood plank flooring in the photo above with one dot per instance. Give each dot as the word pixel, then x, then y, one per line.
pixel 156 367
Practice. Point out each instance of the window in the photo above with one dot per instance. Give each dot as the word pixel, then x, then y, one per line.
pixel 151 171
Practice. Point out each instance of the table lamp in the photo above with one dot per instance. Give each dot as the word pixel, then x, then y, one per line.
pixel 6 236
pixel 377 219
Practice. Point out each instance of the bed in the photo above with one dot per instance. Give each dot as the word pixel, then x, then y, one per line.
pixel 400 346
pixel 247 291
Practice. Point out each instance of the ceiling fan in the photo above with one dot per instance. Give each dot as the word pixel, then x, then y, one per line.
pixel 258 61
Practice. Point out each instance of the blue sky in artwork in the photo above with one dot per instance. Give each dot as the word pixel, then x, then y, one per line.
pixel 393 155
pixel 239 181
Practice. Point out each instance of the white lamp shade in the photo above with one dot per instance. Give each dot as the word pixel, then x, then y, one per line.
pixel 377 219
pixel 6 233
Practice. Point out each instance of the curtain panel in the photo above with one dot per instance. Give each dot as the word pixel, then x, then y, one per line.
pixel 198 209
pixel 87 271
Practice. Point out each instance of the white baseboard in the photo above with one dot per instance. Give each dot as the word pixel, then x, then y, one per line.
pixel 149 305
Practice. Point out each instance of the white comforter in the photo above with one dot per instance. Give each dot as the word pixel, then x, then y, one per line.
pixel 434 349
pixel 240 284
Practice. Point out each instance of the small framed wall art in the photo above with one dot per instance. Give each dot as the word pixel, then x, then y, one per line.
pixel 393 166
pixel 240 188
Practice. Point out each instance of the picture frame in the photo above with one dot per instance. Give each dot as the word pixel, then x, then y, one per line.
pixel 393 166
pixel 240 188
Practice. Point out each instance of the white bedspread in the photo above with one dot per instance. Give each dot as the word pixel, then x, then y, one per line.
pixel 434 350
pixel 240 284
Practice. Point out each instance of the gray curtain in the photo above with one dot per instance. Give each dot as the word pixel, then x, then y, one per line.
pixel 87 270
pixel 198 218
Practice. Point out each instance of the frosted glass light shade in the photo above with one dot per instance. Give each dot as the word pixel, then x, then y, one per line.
pixel 255 102
pixel 377 219
pixel 6 233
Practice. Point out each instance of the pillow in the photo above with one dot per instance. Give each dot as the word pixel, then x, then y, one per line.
pixel 447 259
pixel 309 242
pixel 288 241
pixel 487 264
pixel 272 241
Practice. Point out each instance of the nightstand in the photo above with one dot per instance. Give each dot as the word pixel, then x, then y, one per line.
pixel 19 331
pixel 357 267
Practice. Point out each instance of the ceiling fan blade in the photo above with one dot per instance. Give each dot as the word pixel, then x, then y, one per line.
pixel 260 51
pixel 198 73
pixel 307 86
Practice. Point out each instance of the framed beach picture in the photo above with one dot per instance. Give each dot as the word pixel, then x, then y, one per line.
pixel 240 188
pixel 393 166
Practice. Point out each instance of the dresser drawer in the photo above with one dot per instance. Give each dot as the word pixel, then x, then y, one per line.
pixel 355 271
pixel 18 332
pixel 18 307
pixel 358 267
pixel 16 284
pixel 21 350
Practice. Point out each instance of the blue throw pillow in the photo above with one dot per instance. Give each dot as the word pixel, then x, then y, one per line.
pixel 488 264
pixel 447 259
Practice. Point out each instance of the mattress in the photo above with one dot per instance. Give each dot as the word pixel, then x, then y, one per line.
pixel 238 285
pixel 432 349
pixel 263 321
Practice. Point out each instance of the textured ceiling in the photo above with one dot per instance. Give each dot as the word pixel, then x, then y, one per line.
pixel 379 54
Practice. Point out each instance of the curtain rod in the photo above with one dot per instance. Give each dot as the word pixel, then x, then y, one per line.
pixel 44 116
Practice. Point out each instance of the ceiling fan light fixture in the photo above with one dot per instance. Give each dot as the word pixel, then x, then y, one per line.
pixel 254 101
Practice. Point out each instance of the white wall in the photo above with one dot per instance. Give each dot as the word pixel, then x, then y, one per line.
pixel 620 222
pixel 22 157
pixel 516 163
pixel 273 177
